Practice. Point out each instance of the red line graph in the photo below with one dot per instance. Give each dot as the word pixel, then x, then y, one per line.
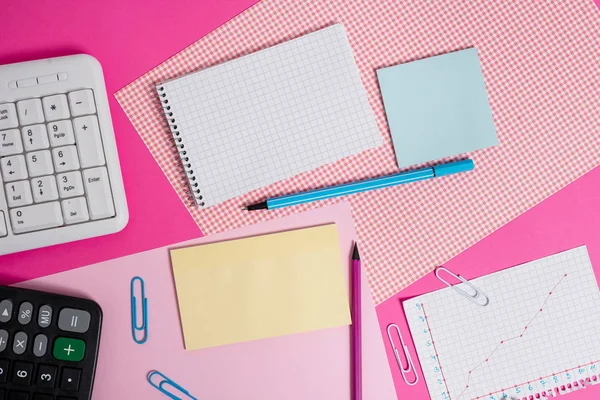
pixel 434 349
pixel 502 342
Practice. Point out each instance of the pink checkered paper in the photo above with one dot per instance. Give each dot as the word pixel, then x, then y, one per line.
pixel 541 63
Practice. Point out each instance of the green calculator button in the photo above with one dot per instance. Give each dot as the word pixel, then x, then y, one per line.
pixel 67 349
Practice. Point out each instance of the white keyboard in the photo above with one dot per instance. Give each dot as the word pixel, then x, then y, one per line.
pixel 60 178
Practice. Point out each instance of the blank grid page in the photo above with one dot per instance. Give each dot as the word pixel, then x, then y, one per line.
pixel 538 333
pixel 272 114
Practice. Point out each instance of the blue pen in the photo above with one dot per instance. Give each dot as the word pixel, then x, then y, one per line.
pixel 363 186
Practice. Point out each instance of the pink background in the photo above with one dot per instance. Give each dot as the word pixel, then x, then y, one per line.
pixel 117 33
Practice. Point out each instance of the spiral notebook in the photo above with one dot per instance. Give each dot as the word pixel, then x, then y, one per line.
pixel 536 337
pixel 269 115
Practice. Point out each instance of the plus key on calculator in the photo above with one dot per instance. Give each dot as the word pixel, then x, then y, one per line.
pixel 48 345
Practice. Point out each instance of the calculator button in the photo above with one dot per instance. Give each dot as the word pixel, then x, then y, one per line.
pixel 70 184
pixel 40 345
pixel 61 133
pixel 98 192
pixel 39 163
pixel 13 168
pixel 3 339
pixel 10 142
pixel 3 370
pixel 82 102
pixel 18 194
pixel 56 107
pixel 89 143
pixel 36 217
pixel 30 111
pixel 6 307
pixel 20 343
pixel 75 210
pixel 44 189
pixel 70 379
pixel 68 349
pixel 65 158
pixel 8 116
pixel 3 229
pixel 72 320
pixel 46 376
pixel 22 373
pixel 18 396
pixel 35 137
pixel 45 316
pixel 25 313
pixel 39 396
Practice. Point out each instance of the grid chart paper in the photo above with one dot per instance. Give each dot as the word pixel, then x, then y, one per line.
pixel 272 114
pixel 542 88
pixel 537 334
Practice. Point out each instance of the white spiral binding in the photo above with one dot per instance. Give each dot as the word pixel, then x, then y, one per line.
pixel 193 192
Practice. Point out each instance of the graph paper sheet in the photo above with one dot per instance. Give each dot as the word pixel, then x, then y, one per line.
pixel 272 114
pixel 538 333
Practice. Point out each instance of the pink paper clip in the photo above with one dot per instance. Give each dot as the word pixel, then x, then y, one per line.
pixel 469 291
pixel 410 365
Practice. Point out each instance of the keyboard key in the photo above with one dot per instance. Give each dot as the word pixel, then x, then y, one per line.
pixel 36 217
pixel 68 349
pixel 70 184
pixel 99 196
pixel 3 370
pixel 18 396
pixel 22 373
pixel 18 194
pixel 44 189
pixel 61 133
pixel 13 168
pixel 40 345
pixel 46 376
pixel 56 107
pixel 70 379
pixel 10 142
pixel 6 308
pixel 25 313
pixel 35 137
pixel 8 116
pixel 3 339
pixel 89 143
pixel 82 102
pixel 30 111
pixel 72 320
pixel 65 158
pixel 20 343
pixel 3 229
pixel 45 316
pixel 39 163
pixel 75 210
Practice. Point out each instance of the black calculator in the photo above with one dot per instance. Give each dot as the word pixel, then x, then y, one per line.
pixel 48 345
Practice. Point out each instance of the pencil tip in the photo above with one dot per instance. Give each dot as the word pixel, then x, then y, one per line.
pixel 355 255
pixel 244 208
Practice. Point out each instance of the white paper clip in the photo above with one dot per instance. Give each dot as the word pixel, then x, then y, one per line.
pixel 410 365
pixel 471 292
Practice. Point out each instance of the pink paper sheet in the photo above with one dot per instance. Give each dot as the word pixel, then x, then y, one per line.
pixel 568 219
pixel 540 61
pixel 313 365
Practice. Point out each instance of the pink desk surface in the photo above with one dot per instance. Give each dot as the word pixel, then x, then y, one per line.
pixel 568 219
pixel 128 37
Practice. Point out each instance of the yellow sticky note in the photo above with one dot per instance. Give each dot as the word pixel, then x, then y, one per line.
pixel 260 287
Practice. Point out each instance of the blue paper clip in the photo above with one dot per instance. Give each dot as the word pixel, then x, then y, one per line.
pixel 134 324
pixel 166 382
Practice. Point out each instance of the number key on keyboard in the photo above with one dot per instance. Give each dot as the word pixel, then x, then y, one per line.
pixel 39 163
pixel 35 137
pixel 70 184
pixel 61 133
pixel 30 111
pixel 75 210
pixel 10 142
pixel 65 158
pixel 89 143
pixel 36 217
pixel 18 194
pixel 44 189
pixel 13 168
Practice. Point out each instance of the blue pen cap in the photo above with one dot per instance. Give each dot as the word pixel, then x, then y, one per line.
pixel 453 168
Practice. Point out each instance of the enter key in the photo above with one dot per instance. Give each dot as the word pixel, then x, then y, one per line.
pixel 99 195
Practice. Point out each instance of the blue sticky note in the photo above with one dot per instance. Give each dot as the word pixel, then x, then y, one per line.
pixel 437 107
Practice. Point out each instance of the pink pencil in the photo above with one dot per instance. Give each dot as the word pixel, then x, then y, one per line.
pixel 357 323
